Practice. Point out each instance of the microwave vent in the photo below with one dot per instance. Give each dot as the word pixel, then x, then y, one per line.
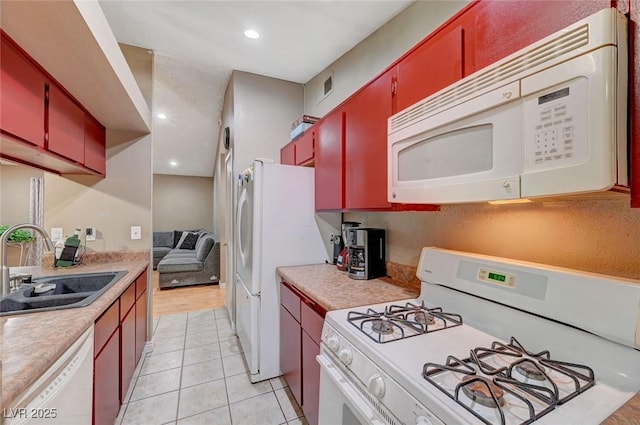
pixel 496 75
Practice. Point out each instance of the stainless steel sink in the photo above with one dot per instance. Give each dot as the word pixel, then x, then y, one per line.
pixel 66 291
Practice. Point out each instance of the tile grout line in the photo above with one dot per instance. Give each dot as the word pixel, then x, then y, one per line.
pixel 224 372
pixel 184 345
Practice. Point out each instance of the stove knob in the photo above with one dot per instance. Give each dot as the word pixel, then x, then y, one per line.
pixel 346 356
pixel 333 342
pixel 421 420
pixel 376 386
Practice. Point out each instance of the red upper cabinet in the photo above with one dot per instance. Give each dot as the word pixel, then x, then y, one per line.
pixel 22 95
pixel 66 126
pixel 435 64
pixel 61 137
pixel 503 27
pixel 329 161
pixel 366 145
pixel 94 145
pixel 288 154
pixel 305 147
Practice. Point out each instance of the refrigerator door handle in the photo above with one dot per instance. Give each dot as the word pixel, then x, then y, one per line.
pixel 240 212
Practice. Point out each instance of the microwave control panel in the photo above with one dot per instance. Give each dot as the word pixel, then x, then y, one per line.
pixel 555 122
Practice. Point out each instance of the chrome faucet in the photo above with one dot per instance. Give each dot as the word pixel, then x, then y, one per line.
pixel 4 290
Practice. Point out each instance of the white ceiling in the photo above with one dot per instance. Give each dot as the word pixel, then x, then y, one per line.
pixel 197 44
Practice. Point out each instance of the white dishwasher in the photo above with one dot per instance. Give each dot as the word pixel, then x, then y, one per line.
pixel 63 395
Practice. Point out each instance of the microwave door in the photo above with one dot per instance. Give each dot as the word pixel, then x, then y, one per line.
pixel 473 159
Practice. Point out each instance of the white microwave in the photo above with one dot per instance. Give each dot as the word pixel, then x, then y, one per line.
pixel 547 120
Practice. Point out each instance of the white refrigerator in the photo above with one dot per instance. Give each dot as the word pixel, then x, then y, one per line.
pixel 275 226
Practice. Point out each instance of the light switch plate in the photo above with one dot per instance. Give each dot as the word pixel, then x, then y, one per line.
pixel 136 232
pixel 57 233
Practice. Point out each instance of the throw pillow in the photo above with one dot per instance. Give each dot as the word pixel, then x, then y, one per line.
pixel 189 241
pixel 177 234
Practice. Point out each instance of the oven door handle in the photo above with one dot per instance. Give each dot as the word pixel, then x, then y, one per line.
pixel 348 391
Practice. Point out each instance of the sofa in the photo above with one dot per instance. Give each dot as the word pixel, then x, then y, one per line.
pixel 186 258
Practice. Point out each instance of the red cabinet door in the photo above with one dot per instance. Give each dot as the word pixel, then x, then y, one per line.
pixel 106 382
pixel 127 351
pixel 290 348
pixel 94 145
pixel 503 27
pixel 366 145
pixel 22 95
pixel 311 378
pixel 311 322
pixel 288 154
pixel 141 323
pixel 435 64
pixel 305 147
pixel 329 191
pixel 66 126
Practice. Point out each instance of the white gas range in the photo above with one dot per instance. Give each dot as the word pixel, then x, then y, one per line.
pixel 489 340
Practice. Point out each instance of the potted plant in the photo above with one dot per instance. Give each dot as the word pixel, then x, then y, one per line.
pixel 18 236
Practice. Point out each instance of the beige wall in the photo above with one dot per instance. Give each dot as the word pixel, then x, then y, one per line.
pixel 182 202
pixel 598 236
pixel 263 110
pixel 113 204
pixel 15 181
pixel 374 54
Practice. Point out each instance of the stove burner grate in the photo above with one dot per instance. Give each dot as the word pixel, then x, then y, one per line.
pixel 487 383
pixel 398 322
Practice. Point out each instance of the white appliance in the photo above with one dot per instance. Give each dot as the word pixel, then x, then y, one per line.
pixel 276 226
pixel 550 119
pixel 512 343
pixel 63 394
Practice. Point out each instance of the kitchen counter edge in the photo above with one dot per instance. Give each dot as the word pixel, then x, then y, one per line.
pixel 23 359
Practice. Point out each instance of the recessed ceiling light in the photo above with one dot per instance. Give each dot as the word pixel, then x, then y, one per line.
pixel 173 163
pixel 162 116
pixel 252 34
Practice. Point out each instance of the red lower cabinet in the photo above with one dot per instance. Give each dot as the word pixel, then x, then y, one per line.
pixel 300 332
pixel 290 347
pixel 311 382
pixel 106 400
pixel 128 358
pixel 141 325
pixel 106 379
pixel 119 337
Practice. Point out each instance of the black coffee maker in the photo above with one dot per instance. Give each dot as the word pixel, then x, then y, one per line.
pixel 367 254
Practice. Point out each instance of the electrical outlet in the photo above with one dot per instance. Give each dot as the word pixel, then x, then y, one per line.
pixel 136 232
pixel 90 233
pixel 57 233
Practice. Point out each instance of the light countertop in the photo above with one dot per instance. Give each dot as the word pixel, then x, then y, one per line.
pixel 30 343
pixel 333 289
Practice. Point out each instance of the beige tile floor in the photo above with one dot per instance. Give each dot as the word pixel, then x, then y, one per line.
pixel 196 374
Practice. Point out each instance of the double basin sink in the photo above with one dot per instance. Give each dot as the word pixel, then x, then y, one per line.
pixel 58 292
